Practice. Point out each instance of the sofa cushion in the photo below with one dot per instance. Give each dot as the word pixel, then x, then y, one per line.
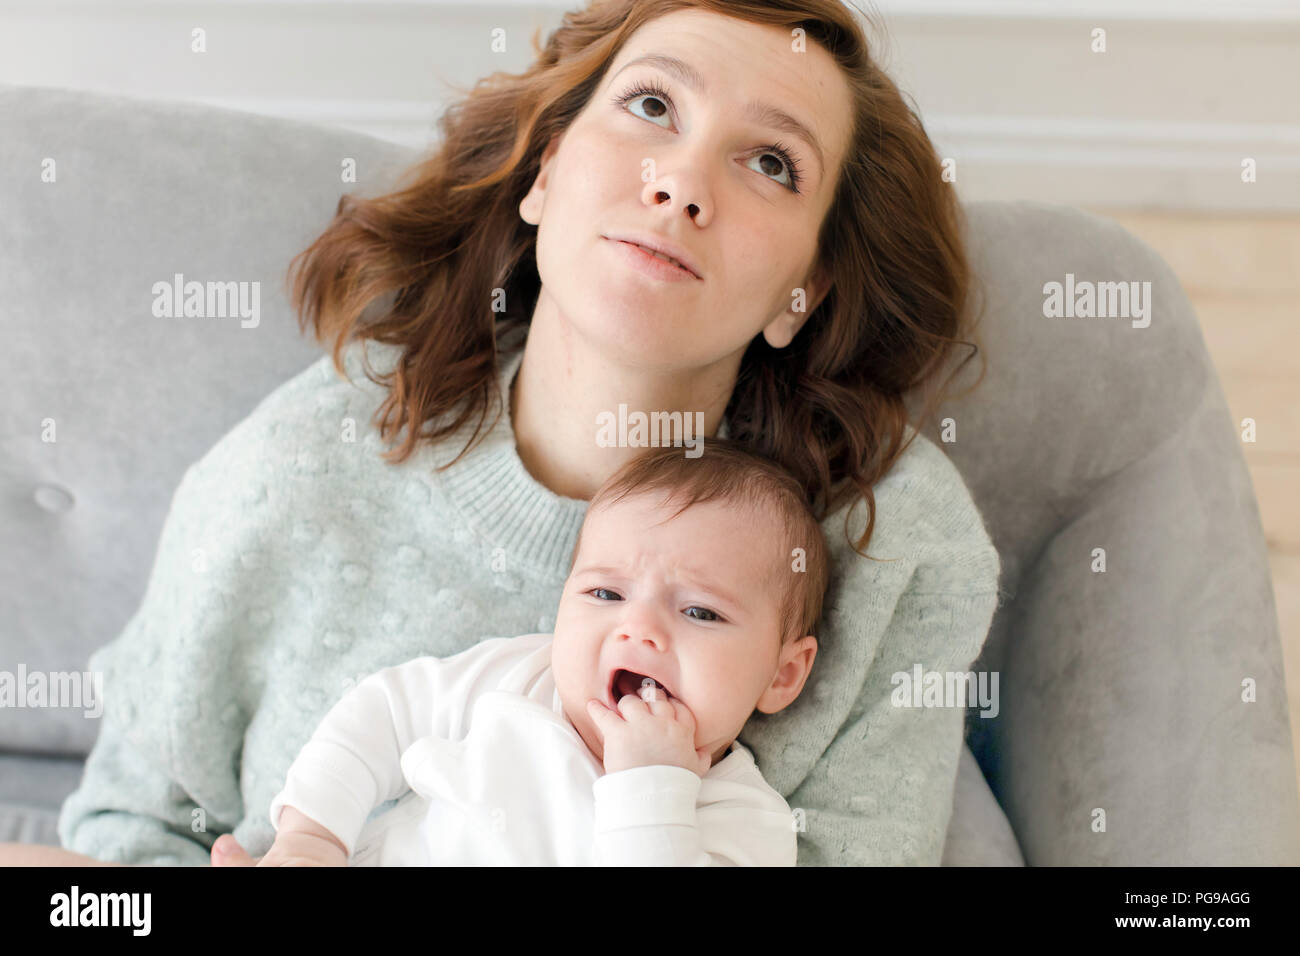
pixel 32 789
pixel 105 403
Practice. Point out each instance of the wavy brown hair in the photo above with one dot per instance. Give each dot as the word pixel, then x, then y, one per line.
pixel 423 267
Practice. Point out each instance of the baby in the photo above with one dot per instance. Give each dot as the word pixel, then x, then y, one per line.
pixel 693 593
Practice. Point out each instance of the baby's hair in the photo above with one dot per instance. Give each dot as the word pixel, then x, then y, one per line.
pixel 726 470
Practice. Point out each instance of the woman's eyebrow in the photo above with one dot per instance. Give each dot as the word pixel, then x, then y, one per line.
pixel 764 114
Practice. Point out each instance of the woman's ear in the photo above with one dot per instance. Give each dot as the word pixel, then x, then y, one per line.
pixel 781 331
pixel 819 283
pixel 530 207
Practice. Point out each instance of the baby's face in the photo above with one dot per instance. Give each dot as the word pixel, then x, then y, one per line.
pixel 691 602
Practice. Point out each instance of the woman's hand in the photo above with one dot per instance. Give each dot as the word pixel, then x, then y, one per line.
pixel 33 854
pixel 227 852
pixel 299 841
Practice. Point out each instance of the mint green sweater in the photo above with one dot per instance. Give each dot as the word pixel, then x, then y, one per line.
pixel 294 562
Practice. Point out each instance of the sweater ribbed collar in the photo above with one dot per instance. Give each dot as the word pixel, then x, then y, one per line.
pixel 501 500
pixel 493 490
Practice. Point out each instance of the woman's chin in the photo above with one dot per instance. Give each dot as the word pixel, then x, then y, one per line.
pixel 636 345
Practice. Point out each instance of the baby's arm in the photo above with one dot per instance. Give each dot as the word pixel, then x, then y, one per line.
pixel 648 806
pixel 653 816
pixel 352 763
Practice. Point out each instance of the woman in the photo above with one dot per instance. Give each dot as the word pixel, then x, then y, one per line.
pixel 824 277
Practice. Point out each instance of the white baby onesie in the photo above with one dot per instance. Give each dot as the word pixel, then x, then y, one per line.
pixel 487 770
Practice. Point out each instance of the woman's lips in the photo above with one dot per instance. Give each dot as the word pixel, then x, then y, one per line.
pixel 650 264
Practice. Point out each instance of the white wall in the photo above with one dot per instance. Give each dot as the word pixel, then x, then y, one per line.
pixel 1008 88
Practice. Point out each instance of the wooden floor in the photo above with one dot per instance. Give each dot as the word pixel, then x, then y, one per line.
pixel 1242 275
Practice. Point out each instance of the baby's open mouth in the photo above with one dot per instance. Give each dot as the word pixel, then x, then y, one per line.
pixel 629 682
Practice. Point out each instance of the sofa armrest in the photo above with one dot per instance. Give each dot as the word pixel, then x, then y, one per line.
pixel 1125 688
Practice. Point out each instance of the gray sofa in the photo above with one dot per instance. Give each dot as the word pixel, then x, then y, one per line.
pixel 1120 691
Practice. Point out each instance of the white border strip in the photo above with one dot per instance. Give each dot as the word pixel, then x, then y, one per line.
pixel 1172 11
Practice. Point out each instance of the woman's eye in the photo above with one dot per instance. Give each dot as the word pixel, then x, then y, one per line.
pixel 780 164
pixel 606 590
pixel 706 611
pixel 662 109
pixel 784 161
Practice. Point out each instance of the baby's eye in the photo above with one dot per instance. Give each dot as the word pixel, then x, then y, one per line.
pixel 606 590
pixel 696 607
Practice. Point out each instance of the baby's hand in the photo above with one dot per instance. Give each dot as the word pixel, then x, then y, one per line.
pixel 648 730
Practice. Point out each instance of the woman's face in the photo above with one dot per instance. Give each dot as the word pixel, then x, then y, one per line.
pixel 696 169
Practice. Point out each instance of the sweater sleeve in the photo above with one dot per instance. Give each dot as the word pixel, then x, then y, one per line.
pixel 185 677
pixel 134 805
pixel 903 759
pixel 651 816
pixel 879 791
